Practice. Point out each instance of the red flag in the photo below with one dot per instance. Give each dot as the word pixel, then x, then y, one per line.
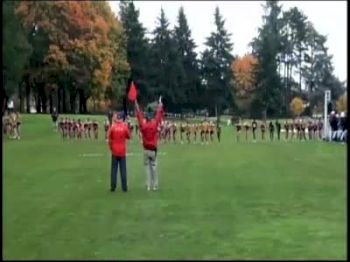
pixel 132 95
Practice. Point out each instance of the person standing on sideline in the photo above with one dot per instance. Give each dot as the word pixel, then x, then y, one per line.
pixel 218 130
pixel 254 127
pixel 118 134
pixel 262 127
pixel 149 130
pixel 271 129
pixel 238 130
pixel 54 117
pixel 286 127
pixel 278 128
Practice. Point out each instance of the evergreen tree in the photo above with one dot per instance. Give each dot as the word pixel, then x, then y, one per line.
pixel 138 48
pixel 164 75
pixel 188 78
pixel 266 48
pixel 16 50
pixel 216 66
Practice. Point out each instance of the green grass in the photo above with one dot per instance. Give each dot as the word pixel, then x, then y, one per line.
pixel 280 200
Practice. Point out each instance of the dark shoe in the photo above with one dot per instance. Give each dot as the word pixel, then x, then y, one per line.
pixel 112 189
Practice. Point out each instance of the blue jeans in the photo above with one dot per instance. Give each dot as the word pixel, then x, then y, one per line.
pixel 121 162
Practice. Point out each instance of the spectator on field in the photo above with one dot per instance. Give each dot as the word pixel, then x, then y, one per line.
pixel 333 125
pixel 54 117
pixel 118 134
pixel 343 126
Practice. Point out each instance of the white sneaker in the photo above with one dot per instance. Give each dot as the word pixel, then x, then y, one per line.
pixel 148 188
pixel 155 188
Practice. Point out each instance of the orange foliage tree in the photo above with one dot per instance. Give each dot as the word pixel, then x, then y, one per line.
pixel 244 78
pixel 86 44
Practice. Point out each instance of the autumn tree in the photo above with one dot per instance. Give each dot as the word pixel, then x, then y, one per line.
pixel 342 103
pixel 84 51
pixel 244 77
pixel 297 106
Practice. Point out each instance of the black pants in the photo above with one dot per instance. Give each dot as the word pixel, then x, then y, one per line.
pixel 121 162
pixel 218 134
pixel 254 133
pixel 278 134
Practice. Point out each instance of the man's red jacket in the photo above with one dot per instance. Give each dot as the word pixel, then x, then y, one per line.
pixel 149 129
pixel 117 136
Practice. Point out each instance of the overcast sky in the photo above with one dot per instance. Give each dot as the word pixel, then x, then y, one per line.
pixel 242 19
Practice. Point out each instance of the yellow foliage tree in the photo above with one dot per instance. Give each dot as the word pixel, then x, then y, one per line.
pixel 297 106
pixel 342 103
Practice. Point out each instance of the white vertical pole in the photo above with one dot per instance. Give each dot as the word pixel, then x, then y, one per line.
pixel 327 99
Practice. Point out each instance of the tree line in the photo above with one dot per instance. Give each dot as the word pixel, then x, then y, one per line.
pixel 78 56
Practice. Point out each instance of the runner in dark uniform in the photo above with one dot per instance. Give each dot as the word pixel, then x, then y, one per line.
pixel 174 129
pixel 218 132
pixel 310 129
pixel 271 129
pixel 246 126
pixel 18 125
pixel 262 127
pixel 278 129
pixel 286 127
pixel 238 131
pixel 254 127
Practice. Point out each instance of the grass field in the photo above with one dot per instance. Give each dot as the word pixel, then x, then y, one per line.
pixel 280 200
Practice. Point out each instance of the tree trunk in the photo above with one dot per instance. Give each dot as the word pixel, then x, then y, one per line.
pixel 44 100
pixel 300 62
pixel 28 97
pixel 59 100
pixel 50 102
pixel 72 97
pixel 21 102
pixel 64 104
pixel 84 105
pixel 38 103
pixel 81 99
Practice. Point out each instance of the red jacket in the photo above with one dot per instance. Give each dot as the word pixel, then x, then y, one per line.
pixel 149 129
pixel 117 136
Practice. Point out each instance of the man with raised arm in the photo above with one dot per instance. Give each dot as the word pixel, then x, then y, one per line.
pixel 149 130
